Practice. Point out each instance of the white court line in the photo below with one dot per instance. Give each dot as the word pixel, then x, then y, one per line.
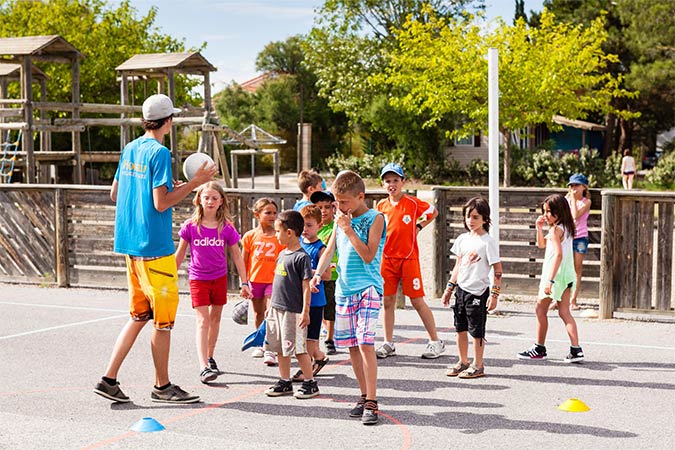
pixel 82 308
pixel 608 344
pixel 60 326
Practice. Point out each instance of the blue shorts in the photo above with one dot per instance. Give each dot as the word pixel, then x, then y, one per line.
pixel 580 245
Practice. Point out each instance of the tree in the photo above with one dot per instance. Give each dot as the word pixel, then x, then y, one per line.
pixel 106 36
pixel 349 44
pixel 440 67
pixel 642 34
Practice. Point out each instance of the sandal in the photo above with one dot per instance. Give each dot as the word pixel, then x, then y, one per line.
pixel 299 376
pixel 459 368
pixel 472 372
pixel 318 365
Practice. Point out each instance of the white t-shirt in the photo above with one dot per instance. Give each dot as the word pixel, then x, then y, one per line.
pixel 478 254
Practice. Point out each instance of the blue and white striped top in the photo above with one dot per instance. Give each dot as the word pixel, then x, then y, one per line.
pixel 354 275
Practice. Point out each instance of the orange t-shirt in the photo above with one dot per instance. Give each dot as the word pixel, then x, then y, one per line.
pixel 402 225
pixel 262 252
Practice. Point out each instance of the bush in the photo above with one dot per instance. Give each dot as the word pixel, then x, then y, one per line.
pixel 611 177
pixel 477 172
pixel 367 166
pixel 663 174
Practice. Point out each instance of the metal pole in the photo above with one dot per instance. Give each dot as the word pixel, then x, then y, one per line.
pixel 493 140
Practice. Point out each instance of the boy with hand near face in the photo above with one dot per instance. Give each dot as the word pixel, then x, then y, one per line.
pixel 359 239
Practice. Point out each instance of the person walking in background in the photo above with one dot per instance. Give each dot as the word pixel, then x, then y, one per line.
pixel 144 192
pixel 580 206
pixel 405 216
pixel 260 251
pixel 326 203
pixel 210 233
pixel 289 313
pixel 628 169
pixel 359 240
pixel 557 276
pixel 477 255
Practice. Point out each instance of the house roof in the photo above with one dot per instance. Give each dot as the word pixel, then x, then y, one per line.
pixel 149 63
pixel 37 46
pixel 560 120
pixel 13 71
pixel 253 84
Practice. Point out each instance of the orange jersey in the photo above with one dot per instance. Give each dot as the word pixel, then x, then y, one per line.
pixel 402 225
pixel 261 252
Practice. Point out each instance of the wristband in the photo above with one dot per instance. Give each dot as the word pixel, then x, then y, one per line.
pixel 451 285
pixel 244 283
pixel 551 281
pixel 495 291
pixel 419 226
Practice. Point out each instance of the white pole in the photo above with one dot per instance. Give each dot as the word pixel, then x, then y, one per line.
pixel 493 140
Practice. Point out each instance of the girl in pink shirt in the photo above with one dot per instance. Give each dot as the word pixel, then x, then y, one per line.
pixel 210 233
pixel 580 205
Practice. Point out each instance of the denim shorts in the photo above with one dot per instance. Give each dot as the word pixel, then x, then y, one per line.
pixel 580 245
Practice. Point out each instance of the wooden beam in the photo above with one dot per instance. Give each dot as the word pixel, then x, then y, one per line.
pixel 27 137
pixel 76 136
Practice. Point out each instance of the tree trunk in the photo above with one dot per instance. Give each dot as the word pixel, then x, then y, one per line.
pixel 607 144
pixel 507 158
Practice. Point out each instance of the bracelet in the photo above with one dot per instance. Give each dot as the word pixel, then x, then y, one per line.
pixel 244 283
pixel 495 291
pixel 419 226
pixel 451 285
pixel 551 281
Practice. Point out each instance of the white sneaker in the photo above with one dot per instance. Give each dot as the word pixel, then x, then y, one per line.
pixel 385 350
pixel 270 359
pixel 434 349
pixel 257 352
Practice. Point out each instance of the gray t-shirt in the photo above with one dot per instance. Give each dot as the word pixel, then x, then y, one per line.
pixel 292 268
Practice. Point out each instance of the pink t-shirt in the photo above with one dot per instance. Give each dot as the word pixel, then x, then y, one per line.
pixel 208 259
pixel 581 222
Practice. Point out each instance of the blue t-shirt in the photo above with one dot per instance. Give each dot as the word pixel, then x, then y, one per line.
pixel 354 275
pixel 141 230
pixel 313 249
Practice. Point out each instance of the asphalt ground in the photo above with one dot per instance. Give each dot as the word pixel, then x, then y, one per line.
pixel 55 343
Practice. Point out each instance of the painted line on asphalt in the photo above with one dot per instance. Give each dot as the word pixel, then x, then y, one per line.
pixel 58 327
pixel 78 308
pixel 608 344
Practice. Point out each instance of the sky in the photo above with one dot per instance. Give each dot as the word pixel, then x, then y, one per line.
pixel 237 30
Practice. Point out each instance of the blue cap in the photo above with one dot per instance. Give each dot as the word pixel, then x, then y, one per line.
pixel 394 168
pixel 578 178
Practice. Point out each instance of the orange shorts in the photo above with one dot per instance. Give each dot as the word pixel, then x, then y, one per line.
pixel 153 290
pixel 406 271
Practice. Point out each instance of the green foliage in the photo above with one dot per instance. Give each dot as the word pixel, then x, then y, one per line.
pixel 663 174
pixel 612 174
pixel 477 172
pixel 368 166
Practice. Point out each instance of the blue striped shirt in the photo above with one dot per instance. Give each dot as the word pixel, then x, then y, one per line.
pixel 354 275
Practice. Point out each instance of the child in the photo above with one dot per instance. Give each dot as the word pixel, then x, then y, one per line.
pixel 580 205
pixel 288 315
pixel 326 203
pixel 260 251
pixel 477 254
pixel 209 233
pixel 405 216
pixel 628 169
pixel 314 247
pixel 308 182
pixel 557 276
pixel 359 239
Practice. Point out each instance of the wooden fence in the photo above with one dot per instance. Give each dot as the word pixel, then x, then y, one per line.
pixel 637 253
pixel 63 235
pixel 521 259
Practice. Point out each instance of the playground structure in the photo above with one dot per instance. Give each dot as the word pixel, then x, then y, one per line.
pixel 17 56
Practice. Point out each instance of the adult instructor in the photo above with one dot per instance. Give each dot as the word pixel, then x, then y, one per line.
pixel 144 191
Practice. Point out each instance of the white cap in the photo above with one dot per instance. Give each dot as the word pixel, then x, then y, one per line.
pixel 158 106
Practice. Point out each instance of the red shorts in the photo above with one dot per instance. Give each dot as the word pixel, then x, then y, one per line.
pixel 209 292
pixel 406 271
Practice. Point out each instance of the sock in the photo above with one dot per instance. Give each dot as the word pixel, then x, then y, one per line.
pixel 540 345
pixel 110 381
pixel 161 388
pixel 374 401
